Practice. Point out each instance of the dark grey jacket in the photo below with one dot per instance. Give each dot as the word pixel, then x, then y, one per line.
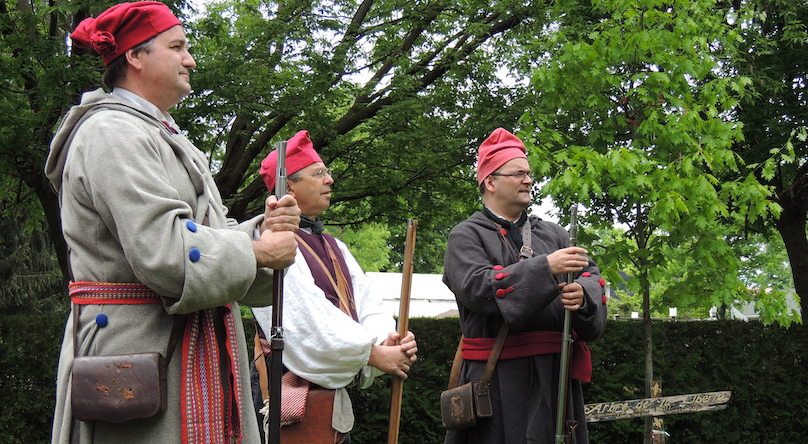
pixel 492 286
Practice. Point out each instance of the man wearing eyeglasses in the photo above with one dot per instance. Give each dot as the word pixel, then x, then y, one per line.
pixel 336 330
pixel 493 286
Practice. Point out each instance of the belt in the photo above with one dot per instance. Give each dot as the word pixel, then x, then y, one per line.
pixel 535 343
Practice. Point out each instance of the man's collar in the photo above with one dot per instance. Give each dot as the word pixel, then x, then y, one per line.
pixel 315 225
pixel 129 96
pixel 503 218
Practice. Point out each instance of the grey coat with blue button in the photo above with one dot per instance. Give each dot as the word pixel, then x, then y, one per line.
pixel 524 295
pixel 139 204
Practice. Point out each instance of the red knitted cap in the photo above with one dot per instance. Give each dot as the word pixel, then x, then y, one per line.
pixel 123 27
pixel 299 154
pixel 500 147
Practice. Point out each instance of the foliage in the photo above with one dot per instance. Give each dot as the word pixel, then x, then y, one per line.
pixel 29 272
pixel 767 276
pixel 762 366
pixel 694 285
pixel 634 123
pixel 623 304
pixel 771 54
pixel 29 353
pixel 40 80
pixel 369 244
pixel 694 357
pixel 396 95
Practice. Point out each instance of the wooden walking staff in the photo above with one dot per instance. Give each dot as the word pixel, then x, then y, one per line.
pixel 276 333
pixel 566 341
pixel 403 327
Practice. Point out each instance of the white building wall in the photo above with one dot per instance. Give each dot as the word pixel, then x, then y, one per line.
pixel 429 296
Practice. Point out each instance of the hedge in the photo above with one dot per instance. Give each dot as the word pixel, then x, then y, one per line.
pixel 763 366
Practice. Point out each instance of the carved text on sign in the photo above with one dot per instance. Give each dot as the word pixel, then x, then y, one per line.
pixel 667 405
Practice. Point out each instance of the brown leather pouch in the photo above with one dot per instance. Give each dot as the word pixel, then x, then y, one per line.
pixel 462 406
pixel 118 388
pixel 316 425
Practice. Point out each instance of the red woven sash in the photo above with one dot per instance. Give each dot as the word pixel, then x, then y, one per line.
pixel 110 293
pixel 207 418
pixel 522 345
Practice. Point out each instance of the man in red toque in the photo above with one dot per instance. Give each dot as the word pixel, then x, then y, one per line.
pixel 336 330
pixel 151 247
pixel 493 286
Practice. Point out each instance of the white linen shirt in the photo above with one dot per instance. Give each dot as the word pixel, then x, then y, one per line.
pixel 322 344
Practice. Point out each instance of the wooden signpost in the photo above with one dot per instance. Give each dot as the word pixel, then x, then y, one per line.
pixel 666 405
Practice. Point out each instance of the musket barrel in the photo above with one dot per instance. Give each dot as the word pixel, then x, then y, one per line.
pixel 276 334
pixel 566 340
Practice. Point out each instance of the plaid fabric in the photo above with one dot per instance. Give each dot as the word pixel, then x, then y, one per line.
pixel 208 418
pixel 294 392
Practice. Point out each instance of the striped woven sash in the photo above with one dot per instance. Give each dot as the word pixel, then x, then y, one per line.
pixel 207 417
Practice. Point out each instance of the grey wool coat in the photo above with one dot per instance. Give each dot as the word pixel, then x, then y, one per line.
pixel 131 191
pixel 479 261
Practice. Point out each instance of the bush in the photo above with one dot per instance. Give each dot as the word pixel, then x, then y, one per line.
pixel 29 355
pixel 763 366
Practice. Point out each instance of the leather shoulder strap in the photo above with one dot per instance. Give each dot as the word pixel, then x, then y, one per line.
pixel 494 356
pixel 344 301
pixel 454 374
pixel 526 251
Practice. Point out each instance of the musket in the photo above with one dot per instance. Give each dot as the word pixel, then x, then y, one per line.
pixel 276 333
pixel 403 326
pixel 566 341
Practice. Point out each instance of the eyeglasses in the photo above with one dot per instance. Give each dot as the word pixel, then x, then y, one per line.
pixel 520 175
pixel 322 172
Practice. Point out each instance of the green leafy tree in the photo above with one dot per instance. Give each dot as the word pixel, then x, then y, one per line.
pixel 766 273
pixel 396 95
pixel 634 121
pixel 775 116
pixel 694 286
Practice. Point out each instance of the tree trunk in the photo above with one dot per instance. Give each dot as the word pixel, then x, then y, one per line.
pixel 645 289
pixel 50 205
pixel 791 226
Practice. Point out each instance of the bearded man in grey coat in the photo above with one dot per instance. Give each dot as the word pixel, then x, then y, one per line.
pixel 143 220
pixel 494 287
